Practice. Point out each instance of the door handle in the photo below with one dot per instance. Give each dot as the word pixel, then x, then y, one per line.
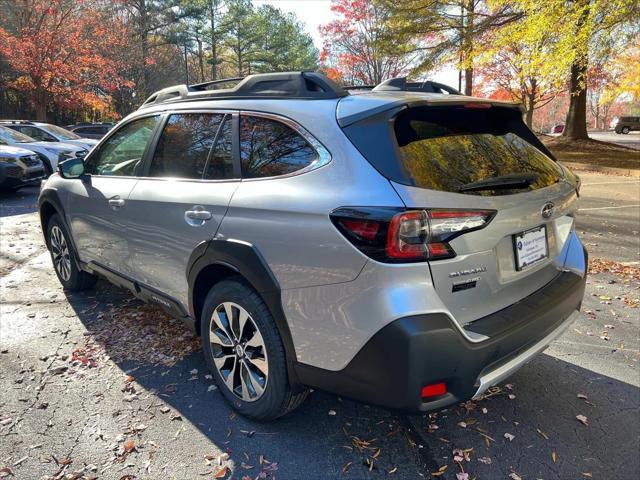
pixel 197 216
pixel 116 203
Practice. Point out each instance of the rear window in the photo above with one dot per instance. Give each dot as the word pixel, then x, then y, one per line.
pixel 475 151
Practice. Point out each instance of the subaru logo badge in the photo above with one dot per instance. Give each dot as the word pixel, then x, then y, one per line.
pixel 547 210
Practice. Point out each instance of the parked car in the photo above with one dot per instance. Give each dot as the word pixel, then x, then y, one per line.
pixel 19 167
pixel 91 130
pixel 558 129
pixel 627 124
pixel 50 153
pixel 45 132
pixel 405 249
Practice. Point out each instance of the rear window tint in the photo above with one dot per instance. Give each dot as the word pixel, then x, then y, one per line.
pixel 449 149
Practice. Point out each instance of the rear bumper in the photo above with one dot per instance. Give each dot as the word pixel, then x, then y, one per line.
pixel 412 352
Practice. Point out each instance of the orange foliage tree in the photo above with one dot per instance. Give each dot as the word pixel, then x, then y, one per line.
pixel 63 53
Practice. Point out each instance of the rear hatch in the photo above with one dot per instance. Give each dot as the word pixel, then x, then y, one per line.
pixel 480 157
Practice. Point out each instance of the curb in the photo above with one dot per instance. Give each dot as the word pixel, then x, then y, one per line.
pixel 627 172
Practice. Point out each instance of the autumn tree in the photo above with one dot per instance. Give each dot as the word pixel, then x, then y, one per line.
pixel 355 44
pixel 445 31
pixel 514 60
pixel 59 50
pixel 578 26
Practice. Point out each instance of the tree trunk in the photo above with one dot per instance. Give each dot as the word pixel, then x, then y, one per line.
pixel 214 40
pixel 468 48
pixel 41 108
pixel 201 60
pixel 529 114
pixel 575 126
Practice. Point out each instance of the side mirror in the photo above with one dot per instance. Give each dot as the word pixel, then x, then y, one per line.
pixel 72 168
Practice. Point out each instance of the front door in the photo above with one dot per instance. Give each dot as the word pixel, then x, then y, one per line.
pixel 97 207
pixel 183 198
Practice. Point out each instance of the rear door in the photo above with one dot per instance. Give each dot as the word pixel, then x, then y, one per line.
pixel 180 203
pixel 483 157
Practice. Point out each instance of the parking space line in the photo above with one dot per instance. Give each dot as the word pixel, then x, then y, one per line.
pixel 607 208
pixel 610 183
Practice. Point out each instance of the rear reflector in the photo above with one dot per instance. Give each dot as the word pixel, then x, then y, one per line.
pixel 434 390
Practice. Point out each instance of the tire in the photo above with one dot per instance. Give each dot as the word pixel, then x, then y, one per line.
pixel 48 169
pixel 65 259
pixel 248 364
pixel 625 130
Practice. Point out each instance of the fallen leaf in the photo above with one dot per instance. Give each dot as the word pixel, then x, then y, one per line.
pixel 544 435
pixel 393 470
pixel 514 476
pixel 462 424
pixel 462 476
pixel 332 413
pixel 221 473
pixel 512 396
pixel 582 396
pixel 554 457
pixel 129 445
pixel 582 419
pixel 345 469
pixel 509 437
pixel 485 460
pixel 440 471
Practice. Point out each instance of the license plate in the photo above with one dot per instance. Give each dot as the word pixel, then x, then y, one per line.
pixel 530 247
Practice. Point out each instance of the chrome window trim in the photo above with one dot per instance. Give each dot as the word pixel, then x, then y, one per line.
pixel 324 156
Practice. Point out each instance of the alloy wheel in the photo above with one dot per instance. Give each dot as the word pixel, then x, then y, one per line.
pixel 60 253
pixel 239 351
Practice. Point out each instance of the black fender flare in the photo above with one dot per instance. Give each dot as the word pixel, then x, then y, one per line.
pixel 247 261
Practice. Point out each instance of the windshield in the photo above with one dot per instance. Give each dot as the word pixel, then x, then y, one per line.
pixel 60 132
pixel 12 136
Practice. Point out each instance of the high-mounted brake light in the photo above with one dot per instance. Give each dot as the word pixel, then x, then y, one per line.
pixel 396 236
pixel 477 105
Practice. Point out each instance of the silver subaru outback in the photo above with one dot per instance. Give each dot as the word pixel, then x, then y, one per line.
pixel 405 246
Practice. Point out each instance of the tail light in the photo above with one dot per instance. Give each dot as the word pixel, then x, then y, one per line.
pixel 396 236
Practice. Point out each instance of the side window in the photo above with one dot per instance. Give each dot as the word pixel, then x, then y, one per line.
pixel 121 154
pixel 83 130
pixel 36 133
pixel 270 148
pixel 185 146
pixel 220 162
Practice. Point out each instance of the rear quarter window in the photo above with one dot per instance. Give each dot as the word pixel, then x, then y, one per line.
pixel 269 148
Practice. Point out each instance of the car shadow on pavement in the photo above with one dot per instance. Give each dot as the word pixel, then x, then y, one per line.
pixel 18 202
pixel 325 434
pixel 538 407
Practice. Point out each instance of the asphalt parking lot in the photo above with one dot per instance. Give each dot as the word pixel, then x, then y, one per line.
pixel 97 385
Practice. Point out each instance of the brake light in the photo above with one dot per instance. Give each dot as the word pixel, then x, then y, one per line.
pixel 407 235
pixel 395 236
pixel 477 105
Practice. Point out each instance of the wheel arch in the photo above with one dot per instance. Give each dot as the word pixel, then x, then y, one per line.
pixel 218 259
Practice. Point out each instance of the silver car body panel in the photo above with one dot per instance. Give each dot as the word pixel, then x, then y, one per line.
pixel 333 296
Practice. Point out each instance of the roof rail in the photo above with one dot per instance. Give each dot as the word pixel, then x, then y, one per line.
pixel 401 84
pixel 284 85
pixel 16 122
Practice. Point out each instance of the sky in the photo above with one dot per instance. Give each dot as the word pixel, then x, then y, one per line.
pixel 314 13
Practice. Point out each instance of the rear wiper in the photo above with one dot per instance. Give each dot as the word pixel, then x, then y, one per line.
pixel 514 180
